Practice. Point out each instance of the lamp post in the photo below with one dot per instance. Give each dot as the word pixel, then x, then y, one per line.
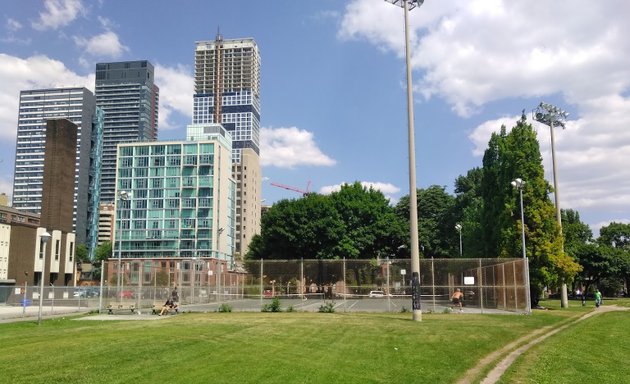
pixel 518 183
pixel 553 116
pixel 122 196
pixel 408 5
pixel 44 237
pixel 458 227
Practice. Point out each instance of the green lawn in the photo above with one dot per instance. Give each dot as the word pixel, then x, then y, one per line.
pixel 594 350
pixel 272 347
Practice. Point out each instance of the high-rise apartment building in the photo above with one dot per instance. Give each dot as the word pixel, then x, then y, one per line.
pixel 227 91
pixel 178 198
pixel 37 107
pixel 127 93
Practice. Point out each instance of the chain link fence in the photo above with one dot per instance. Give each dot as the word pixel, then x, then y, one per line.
pixel 378 285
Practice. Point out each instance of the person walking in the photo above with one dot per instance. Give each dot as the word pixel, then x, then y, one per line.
pixel 598 298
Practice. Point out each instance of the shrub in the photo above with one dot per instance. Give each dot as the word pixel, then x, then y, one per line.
pixel 273 307
pixel 225 308
pixel 327 308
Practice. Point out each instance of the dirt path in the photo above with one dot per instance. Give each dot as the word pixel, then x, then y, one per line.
pixel 512 354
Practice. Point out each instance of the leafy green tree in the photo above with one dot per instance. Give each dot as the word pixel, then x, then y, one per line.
pixel 468 210
pixel 510 156
pixel 355 223
pixel 371 227
pixel 103 251
pixel 436 221
pixel 308 228
pixel 81 253
pixel 617 236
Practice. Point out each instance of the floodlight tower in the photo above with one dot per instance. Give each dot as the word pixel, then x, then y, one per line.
pixel 553 116
pixel 408 5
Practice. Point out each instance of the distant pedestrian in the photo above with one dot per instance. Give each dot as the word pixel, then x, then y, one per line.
pixel 598 298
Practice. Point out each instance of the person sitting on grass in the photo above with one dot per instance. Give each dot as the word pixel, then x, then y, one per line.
pixel 166 307
pixel 457 299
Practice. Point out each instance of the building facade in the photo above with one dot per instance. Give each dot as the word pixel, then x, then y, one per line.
pixel 129 97
pixel 179 198
pixel 37 107
pixel 227 91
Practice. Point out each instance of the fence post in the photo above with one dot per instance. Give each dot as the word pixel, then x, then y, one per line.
pixel 100 296
pixel 433 282
pixel 480 286
pixel 345 287
pixel 302 277
pixel 261 281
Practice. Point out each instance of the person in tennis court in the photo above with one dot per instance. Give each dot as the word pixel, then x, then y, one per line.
pixel 457 299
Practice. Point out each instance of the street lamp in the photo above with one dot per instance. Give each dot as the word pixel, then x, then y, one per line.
pixel 44 237
pixel 458 227
pixel 518 184
pixel 553 116
pixel 408 5
pixel 122 196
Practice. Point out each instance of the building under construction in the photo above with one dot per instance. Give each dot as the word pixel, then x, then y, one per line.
pixel 227 91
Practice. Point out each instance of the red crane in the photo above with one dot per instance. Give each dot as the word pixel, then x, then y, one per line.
pixel 294 189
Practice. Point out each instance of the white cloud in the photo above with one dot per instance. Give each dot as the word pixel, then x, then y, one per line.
pixel 176 89
pixel 13 25
pixel 107 44
pixel 18 74
pixel 291 147
pixel 473 52
pixel 386 188
pixel 476 51
pixel 58 13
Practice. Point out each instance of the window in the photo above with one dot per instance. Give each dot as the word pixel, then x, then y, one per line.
pixel 57 248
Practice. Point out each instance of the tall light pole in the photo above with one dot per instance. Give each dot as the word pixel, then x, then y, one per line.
pixel 122 196
pixel 44 237
pixel 518 184
pixel 553 116
pixel 458 227
pixel 408 5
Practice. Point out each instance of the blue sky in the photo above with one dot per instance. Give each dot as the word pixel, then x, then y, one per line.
pixel 333 83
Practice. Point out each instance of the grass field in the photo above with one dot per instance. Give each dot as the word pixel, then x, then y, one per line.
pixel 591 351
pixel 296 347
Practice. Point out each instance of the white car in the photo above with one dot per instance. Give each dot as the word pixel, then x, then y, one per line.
pixel 376 294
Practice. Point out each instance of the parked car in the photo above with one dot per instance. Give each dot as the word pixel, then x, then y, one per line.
pixel 127 295
pixel 86 292
pixel 376 294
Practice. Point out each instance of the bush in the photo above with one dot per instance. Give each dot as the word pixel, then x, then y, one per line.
pixel 273 307
pixel 225 308
pixel 290 308
pixel 327 308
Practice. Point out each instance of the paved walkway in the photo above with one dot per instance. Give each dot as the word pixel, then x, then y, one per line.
pixel 511 352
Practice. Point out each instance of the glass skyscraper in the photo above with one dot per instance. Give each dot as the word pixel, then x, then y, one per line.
pixel 36 107
pixel 181 200
pixel 129 97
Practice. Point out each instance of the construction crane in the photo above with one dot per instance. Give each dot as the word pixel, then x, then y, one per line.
pixel 294 189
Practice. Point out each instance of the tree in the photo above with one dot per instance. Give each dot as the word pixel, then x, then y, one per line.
pixel 468 210
pixel 371 227
pixel 81 253
pixel 354 223
pixel 308 228
pixel 436 221
pixel 617 236
pixel 517 155
pixel 103 251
